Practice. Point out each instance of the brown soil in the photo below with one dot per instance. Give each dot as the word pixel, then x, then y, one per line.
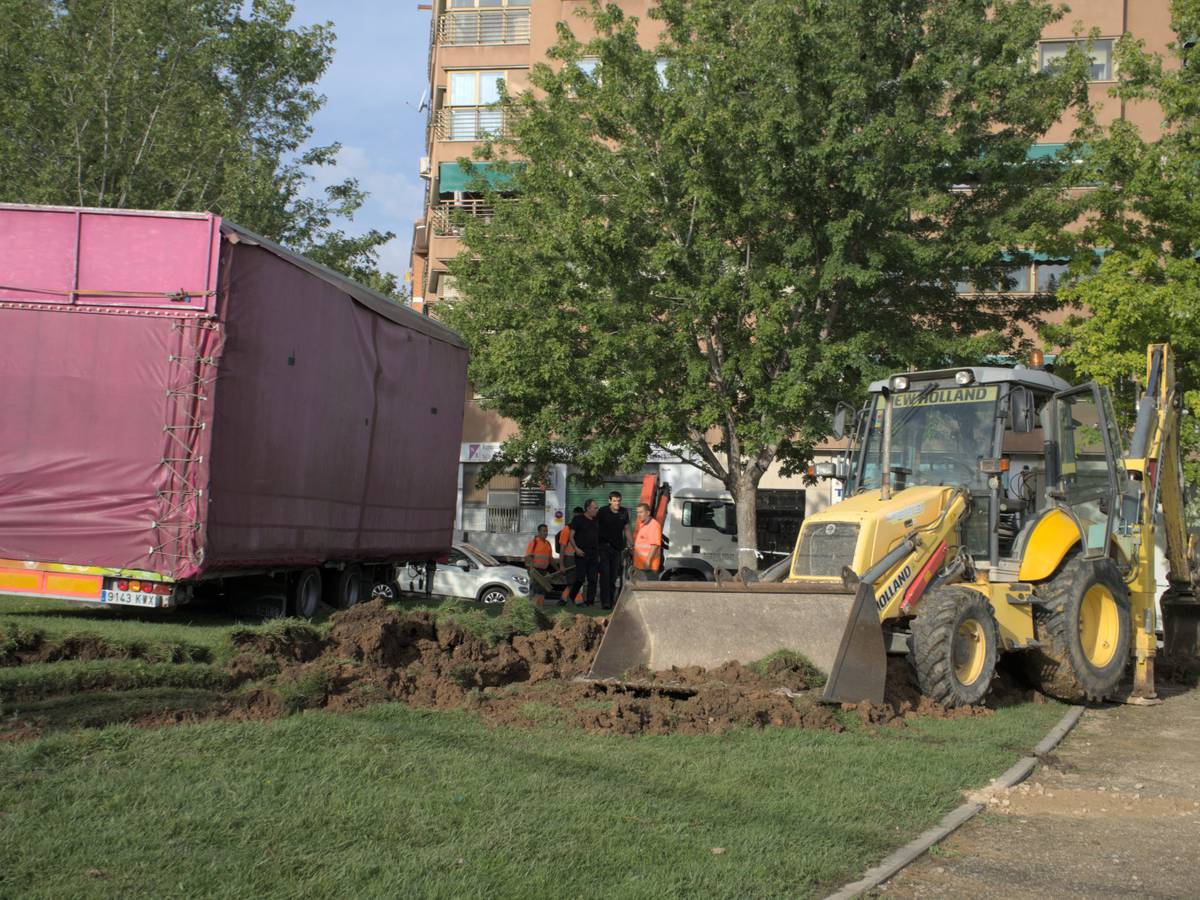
pixel 372 654
pixel 903 702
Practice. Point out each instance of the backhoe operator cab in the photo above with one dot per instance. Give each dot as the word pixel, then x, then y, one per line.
pixel 1017 442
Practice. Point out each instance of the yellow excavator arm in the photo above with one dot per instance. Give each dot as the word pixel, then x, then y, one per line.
pixel 1155 468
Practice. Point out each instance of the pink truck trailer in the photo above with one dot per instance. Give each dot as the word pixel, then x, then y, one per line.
pixel 183 401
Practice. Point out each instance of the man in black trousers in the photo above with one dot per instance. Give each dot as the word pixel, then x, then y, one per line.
pixel 614 538
pixel 585 544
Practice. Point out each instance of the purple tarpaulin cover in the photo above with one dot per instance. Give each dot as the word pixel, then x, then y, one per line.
pixel 181 396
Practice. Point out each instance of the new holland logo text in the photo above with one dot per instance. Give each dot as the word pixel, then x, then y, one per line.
pixel 892 589
pixel 943 396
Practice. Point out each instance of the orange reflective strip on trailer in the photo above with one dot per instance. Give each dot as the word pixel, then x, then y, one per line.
pixel 75 585
pixel 20 580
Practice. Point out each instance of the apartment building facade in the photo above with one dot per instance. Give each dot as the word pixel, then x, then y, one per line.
pixel 474 46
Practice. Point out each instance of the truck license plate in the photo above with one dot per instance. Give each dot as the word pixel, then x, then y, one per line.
pixel 129 598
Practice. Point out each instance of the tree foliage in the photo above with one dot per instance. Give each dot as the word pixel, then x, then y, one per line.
pixel 175 104
pixel 708 258
pixel 1144 206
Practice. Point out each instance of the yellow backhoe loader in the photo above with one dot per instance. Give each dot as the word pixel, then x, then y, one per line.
pixel 987 511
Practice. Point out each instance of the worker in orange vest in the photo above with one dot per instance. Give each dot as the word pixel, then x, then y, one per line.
pixel 647 543
pixel 539 556
pixel 566 557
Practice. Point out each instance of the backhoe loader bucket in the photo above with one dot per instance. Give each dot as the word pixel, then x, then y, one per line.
pixel 1181 625
pixel 664 624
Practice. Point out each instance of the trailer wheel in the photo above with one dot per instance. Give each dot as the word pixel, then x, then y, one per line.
pixel 348 587
pixel 306 593
pixel 954 646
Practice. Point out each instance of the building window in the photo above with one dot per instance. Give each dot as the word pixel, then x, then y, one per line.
pixel 1051 276
pixel 588 67
pixel 660 69
pixel 471 112
pixel 475 88
pixel 484 22
pixel 447 289
pixel 1016 281
pixel 1052 53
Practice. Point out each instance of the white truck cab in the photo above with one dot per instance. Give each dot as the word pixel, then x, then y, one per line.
pixel 701 527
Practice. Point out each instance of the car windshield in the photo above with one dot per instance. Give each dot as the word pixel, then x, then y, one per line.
pixel 939 434
pixel 478 555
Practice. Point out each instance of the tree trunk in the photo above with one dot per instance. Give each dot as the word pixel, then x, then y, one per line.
pixel 743 484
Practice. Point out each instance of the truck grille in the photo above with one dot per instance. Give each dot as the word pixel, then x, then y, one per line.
pixel 825 548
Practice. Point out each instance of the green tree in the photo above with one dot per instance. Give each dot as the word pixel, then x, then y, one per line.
pixel 707 256
pixel 1145 208
pixel 175 104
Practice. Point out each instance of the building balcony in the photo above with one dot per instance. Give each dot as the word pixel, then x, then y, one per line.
pixel 447 216
pixel 479 27
pixel 468 123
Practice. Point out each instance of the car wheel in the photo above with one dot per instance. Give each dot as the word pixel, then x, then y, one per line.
pixel 383 591
pixel 494 594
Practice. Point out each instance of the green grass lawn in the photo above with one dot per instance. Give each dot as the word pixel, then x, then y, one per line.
pixel 392 801
pixel 200 627
pixel 397 802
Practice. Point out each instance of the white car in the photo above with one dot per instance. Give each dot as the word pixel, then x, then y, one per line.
pixel 470 574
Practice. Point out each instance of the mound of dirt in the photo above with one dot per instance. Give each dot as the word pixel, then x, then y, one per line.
pixel 902 702
pixel 428 659
pixel 374 653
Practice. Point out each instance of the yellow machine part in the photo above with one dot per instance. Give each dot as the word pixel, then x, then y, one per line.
pixel 1053 536
pixel 1013 609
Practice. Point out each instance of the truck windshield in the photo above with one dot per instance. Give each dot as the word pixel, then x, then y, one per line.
pixel 939 434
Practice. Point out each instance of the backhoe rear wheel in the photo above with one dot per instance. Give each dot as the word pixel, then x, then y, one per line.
pixel 1082 623
pixel 954 646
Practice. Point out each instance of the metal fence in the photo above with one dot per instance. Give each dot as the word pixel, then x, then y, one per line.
pixel 468 123
pixel 493 26
pixel 447 215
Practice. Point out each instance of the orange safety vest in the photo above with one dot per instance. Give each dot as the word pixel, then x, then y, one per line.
pixel 540 551
pixel 646 541
pixel 563 538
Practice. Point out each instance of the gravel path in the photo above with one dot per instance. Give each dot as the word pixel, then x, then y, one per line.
pixel 1113 812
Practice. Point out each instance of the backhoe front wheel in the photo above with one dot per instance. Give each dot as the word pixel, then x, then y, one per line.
pixel 954 646
pixel 1082 623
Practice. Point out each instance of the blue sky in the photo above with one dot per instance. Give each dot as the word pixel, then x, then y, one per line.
pixel 373 89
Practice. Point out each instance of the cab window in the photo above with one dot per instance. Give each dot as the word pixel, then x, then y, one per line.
pixel 716 515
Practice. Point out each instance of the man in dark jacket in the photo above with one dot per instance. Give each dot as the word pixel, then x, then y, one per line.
pixel 585 544
pixel 614 538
